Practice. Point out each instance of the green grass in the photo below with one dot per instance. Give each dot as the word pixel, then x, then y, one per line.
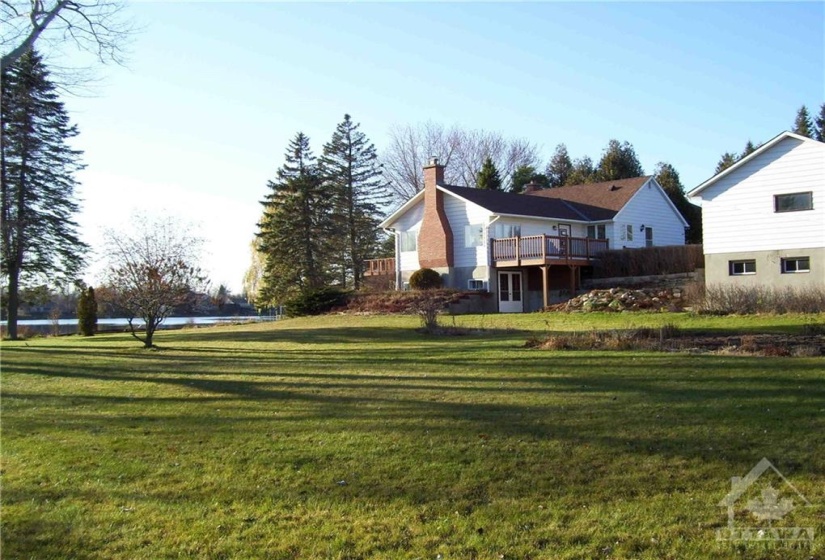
pixel 357 437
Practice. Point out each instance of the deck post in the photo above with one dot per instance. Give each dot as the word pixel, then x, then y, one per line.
pixel 545 285
pixel 518 251
pixel 572 280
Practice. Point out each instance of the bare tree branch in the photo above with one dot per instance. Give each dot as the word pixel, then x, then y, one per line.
pixel 97 26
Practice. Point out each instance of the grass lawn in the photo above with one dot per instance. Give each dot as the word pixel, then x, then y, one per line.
pixel 358 437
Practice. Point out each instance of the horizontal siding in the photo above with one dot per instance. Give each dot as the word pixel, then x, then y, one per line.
pixel 460 214
pixel 542 227
pixel 649 207
pixel 738 210
pixel 410 221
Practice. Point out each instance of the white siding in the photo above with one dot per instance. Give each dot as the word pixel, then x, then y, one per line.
pixel 410 221
pixel 738 210
pixel 649 207
pixel 534 226
pixel 460 214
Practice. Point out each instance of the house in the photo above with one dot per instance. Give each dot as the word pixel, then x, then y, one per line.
pixel 527 249
pixel 764 217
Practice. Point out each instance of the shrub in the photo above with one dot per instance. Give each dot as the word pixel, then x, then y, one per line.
pixel 314 302
pixel 87 312
pixel 724 300
pixel 425 279
pixel 428 309
pixel 649 261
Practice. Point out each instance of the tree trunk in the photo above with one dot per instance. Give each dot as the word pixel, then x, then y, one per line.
pixel 14 301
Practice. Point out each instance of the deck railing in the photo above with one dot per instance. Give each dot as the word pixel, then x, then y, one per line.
pixel 546 248
pixel 379 267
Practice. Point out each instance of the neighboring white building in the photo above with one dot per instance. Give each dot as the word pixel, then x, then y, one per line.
pixel 763 218
pixel 526 249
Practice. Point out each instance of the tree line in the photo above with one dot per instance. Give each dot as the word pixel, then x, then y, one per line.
pixel 804 125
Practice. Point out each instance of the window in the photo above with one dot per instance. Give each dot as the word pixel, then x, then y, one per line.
pixel 596 232
pixel 793 202
pixel 477 285
pixel 648 237
pixel 474 235
pixel 628 232
pixel 502 231
pixel 796 264
pixel 407 241
pixel 738 268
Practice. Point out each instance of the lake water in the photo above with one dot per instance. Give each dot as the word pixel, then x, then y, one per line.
pixel 67 326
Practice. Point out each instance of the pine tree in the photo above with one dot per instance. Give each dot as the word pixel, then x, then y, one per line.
pixel 525 174
pixel 582 172
pixel 820 124
pixel 667 176
pixel 37 167
pixel 725 161
pixel 802 124
pixel 87 312
pixel 296 229
pixel 488 177
pixel 749 149
pixel 351 172
pixel 559 168
pixel 619 161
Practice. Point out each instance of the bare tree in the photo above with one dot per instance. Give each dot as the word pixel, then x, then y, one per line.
pixel 95 26
pixel 462 151
pixel 152 271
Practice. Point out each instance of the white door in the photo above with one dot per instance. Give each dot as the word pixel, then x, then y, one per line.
pixel 509 292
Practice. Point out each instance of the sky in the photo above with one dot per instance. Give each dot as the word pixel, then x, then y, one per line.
pixel 198 120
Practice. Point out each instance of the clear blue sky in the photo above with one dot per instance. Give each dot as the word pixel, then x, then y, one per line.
pixel 199 120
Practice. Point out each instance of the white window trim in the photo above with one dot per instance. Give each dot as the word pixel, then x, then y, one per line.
pixel 741 261
pixel 785 260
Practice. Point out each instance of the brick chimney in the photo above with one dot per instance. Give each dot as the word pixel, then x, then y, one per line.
pixel 435 240
pixel 531 187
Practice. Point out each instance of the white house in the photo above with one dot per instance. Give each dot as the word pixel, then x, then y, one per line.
pixel 526 249
pixel 764 217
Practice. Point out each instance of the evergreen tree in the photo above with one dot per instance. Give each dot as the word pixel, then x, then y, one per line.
pixel 37 183
pixel 820 124
pixel 582 172
pixel 87 312
pixel 352 175
pixel 667 176
pixel 488 177
pixel 525 174
pixel 559 168
pixel 296 230
pixel 749 149
pixel 618 161
pixel 725 161
pixel 802 125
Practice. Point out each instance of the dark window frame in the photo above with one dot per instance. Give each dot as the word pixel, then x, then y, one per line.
pixel 777 197
pixel 744 272
pixel 797 261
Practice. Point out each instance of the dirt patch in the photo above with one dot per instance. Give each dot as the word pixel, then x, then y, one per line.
pixel 671 339
pixel 750 344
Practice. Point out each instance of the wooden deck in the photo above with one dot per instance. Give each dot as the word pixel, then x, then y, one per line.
pixel 546 249
pixel 379 267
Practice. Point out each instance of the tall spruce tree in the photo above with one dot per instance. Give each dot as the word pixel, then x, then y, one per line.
pixel 802 125
pixel 749 149
pixel 667 176
pixel 353 178
pixel 820 124
pixel 488 177
pixel 87 312
pixel 559 168
pixel 619 161
pixel 296 230
pixel 726 161
pixel 37 183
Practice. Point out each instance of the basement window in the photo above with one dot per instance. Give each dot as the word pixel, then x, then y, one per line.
pixel 741 268
pixel 793 202
pixel 793 265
